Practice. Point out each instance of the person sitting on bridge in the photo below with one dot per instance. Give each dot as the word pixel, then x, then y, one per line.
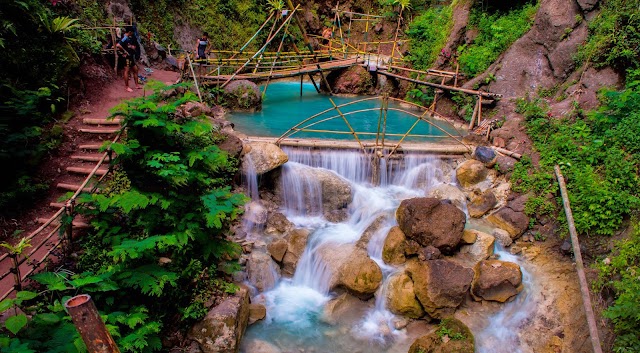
pixel 127 46
pixel 202 47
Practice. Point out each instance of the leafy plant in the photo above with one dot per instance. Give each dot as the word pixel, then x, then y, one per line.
pixel 429 33
pixel 496 32
pixel 446 329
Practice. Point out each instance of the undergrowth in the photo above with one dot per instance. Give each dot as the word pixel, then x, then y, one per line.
pixel 428 33
pixel 496 32
pixel 614 36
pixel 158 252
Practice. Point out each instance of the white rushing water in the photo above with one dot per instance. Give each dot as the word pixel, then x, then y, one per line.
pixel 295 306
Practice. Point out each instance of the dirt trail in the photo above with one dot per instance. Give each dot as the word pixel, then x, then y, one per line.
pixel 102 94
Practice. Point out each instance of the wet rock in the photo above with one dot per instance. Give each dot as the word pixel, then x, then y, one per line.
pixel 360 275
pixel 482 203
pixel 255 213
pixel 503 237
pixel 430 221
pixel 363 242
pixel 481 249
pixel 243 95
pixel 223 327
pixel 470 173
pixel 485 155
pixel 263 157
pixel 468 237
pixel 354 80
pixel 440 285
pixel 461 342
pixel 262 272
pixel 194 109
pixel 505 164
pixel 394 247
pixel 401 299
pixel 232 144
pixel 277 223
pixel 411 248
pixel 259 346
pixel 337 307
pixel 277 249
pixel 449 192
pixel 514 222
pixel 429 253
pixel 257 312
pixel 496 280
pixel 297 241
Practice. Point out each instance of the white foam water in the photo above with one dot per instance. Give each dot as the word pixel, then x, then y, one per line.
pixel 295 306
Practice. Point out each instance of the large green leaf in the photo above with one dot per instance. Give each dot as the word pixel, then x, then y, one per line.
pixel 15 323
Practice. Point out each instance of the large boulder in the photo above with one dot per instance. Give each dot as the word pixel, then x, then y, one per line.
pixel 277 248
pixel 257 312
pixel 297 242
pixel 514 222
pixel 350 268
pixel 481 203
pixel 394 247
pixel 449 192
pixel 401 298
pixel 277 223
pixel 263 157
pixel 262 272
pixel 338 307
pixel 360 275
pixel 231 144
pixel 371 230
pixel 354 80
pixel 480 250
pixel 485 155
pixel 440 285
pixel 470 173
pixel 223 327
pixel 430 221
pixel 451 336
pixel 496 280
pixel 243 95
pixel 319 190
pixel 259 346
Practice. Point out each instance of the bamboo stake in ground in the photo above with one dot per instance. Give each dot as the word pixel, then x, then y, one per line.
pixel 584 286
pixel 89 324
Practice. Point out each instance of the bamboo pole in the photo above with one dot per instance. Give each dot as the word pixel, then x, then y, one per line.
pixel 479 110
pixel 89 324
pixel 275 59
pixel 584 285
pixel 115 51
pixel 348 125
pixel 305 38
pixel 195 79
pixel 445 87
pixel 268 36
pixel 314 83
pixel 508 153
pixel 269 40
pixel 473 116
pixel 255 35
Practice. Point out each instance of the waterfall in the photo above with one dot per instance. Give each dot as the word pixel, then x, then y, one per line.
pixel 295 306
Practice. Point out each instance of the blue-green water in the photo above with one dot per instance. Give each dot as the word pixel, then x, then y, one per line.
pixel 283 108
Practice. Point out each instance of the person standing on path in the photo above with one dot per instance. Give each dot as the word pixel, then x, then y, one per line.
pixel 128 45
pixel 202 47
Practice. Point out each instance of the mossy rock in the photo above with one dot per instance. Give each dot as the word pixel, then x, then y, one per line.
pixel 451 336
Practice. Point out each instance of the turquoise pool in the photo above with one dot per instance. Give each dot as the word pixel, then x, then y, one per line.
pixel 284 107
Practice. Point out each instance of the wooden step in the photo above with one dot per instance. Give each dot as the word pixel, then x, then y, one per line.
pixel 57 205
pixel 100 130
pixel 72 187
pixel 88 157
pixel 91 146
pixel 76 223
pixel 93 121
pixel 87 170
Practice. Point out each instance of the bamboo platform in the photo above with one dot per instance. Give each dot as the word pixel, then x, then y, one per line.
pixel 279 74
pixel 440 148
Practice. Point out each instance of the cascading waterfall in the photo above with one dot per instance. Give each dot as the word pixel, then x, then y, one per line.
pixel 295 305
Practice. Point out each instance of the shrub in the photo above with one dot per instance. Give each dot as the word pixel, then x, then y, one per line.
pixel 429 33
pixel 496 32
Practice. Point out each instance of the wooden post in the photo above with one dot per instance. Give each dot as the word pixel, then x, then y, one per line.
pixel 479 109
pixel 473 116
pixel 584 286
pixel 15 270
pixel 115 50
pixel 325 80
pixel 87 320
pixel 314 82
pixel 68 209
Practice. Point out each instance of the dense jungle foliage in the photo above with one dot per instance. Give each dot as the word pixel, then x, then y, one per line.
pixel 159 252
pixel 39 47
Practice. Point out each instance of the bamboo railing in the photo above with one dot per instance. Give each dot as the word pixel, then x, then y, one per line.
pixel 61 226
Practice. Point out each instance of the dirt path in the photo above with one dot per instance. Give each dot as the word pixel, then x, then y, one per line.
pixel 69 165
